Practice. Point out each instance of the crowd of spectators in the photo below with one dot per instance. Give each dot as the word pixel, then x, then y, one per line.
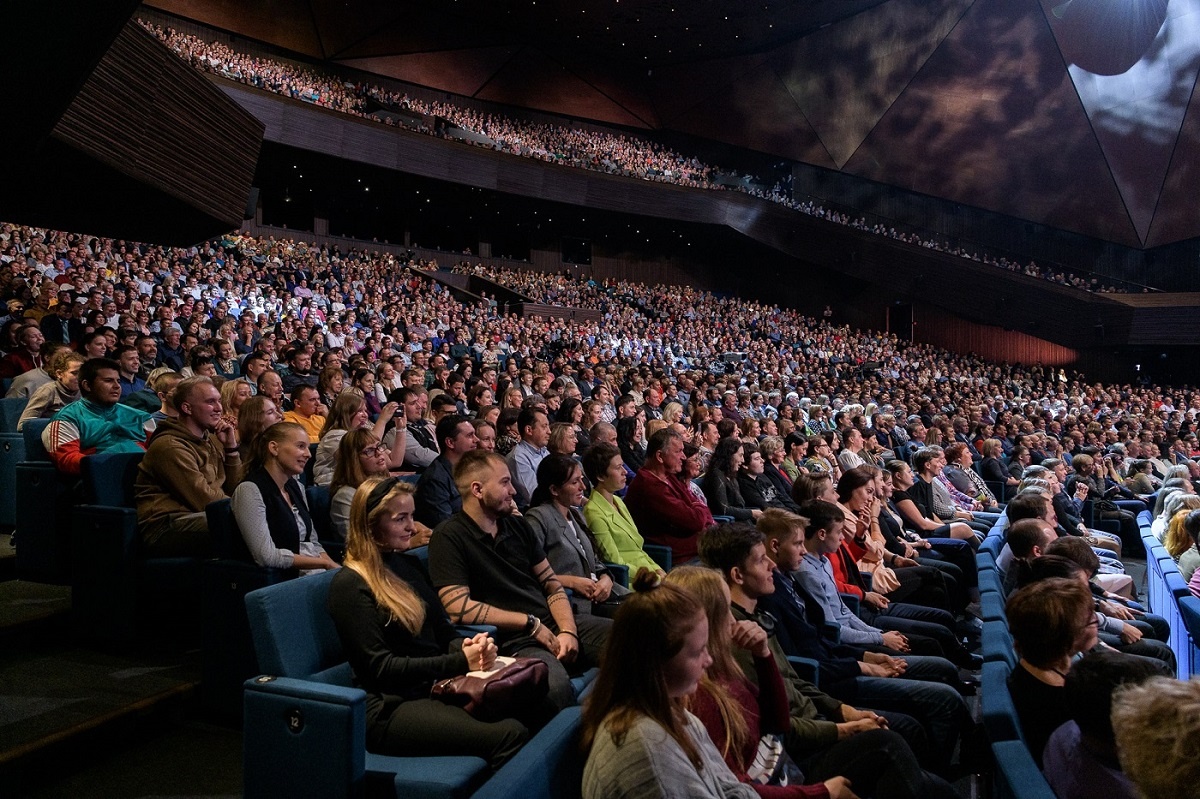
pixel 578 147
pixel 261 363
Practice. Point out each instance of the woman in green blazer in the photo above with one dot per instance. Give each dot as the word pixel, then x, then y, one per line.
pixel 605 512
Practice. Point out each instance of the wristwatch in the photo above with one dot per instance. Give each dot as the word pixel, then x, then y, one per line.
pixel 530 623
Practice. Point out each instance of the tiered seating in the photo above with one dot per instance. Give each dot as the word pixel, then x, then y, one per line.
pixel 1168 596
pixel 1017 775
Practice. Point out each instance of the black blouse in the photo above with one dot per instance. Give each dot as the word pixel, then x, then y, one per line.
pixel 391 664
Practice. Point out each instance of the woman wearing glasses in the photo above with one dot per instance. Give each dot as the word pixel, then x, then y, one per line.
pixel 1051 620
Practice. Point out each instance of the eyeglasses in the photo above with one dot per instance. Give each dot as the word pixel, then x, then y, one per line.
pixel 371 452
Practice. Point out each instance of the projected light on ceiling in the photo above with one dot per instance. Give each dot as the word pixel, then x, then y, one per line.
pixel 1134 65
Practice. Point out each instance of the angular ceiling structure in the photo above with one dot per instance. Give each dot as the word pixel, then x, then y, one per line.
pixel 1078 114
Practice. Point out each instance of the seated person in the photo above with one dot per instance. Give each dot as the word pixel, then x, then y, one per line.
pixel 399 640
pixel 191 461
pixel 28 356
pixel 97 422
pixel 720 483
pixel 742 716
pixel 661 505
pixel 360 456
pixel 1081 755
pixel 563 534
pixel 640 738
pixel 307 410
pixel 50 398
pixel 1051 621
pixel 256 415
pixel 488 569
pixel 269 504
pixel 437 497
pixel 617 537
pixel 758 491
pixel 1156 729
pixel 823 732
pixel 523 460
pixel 24 384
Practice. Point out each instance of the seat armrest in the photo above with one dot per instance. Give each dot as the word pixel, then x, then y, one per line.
pixel 619 572
pixel 852 602
pixel 807 668
pixel 832 630
pixel 470 630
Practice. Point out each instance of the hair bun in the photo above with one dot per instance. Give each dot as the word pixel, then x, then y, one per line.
pixel 646 579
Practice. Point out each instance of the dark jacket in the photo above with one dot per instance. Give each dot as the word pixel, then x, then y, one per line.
pixel 437 497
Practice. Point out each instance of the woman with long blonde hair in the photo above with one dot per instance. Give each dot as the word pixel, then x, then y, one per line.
pixel 399 640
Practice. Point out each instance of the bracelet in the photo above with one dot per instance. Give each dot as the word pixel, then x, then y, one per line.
pixel 537 625
pixel 570 633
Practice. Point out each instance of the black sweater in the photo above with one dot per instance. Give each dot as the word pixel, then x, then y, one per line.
pixel 390 663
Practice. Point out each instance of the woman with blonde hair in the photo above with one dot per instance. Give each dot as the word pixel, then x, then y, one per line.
pixel 399 640
pixel 234 394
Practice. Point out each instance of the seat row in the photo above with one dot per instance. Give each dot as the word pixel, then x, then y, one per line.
pixel 1017 775
pixel 1169 596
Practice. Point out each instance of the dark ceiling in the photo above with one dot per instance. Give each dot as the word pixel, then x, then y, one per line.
pixel 644 34
pixel 1075 115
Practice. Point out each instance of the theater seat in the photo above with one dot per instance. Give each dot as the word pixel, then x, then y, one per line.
pixel 227 649
pixel 42 513
pixel 304 711
pixel 12 452
pixel 1017 775
pixel 996 705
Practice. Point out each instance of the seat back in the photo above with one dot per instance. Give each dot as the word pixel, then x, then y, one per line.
pixel 294 635
pixel 318 507
pixel 550 766
pixel 108 478
pixel 1017 775
pixel 999 713
pixel 32 432
pixel 227 541
pixel 10 413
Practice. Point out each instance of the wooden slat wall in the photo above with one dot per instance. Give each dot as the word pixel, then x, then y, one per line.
pixel 147 114
pixel 935 326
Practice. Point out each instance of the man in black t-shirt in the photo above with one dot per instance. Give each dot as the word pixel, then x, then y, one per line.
pixel 489 569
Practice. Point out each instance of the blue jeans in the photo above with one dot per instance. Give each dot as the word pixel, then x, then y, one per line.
pixel 938 708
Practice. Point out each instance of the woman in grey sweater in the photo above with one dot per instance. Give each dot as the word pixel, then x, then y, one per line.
pixel 642 742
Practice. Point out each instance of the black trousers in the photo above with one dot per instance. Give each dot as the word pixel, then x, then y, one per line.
pixel 878 763
pixel 427 727
pixel 593 635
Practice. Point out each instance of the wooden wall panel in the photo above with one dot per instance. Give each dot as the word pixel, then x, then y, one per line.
pixel 943 329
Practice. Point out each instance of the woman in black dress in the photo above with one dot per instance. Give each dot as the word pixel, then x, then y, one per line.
pixel 399 640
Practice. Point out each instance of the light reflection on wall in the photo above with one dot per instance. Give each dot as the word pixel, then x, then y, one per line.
pixel 1134 65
